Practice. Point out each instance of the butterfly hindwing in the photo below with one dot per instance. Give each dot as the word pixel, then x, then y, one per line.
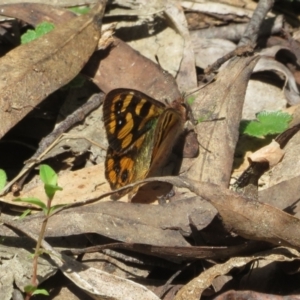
pixel 124 168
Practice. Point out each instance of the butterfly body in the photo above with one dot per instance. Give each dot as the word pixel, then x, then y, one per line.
pixel 141 132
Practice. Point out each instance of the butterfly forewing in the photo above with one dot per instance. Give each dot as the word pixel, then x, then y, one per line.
pixel 128 114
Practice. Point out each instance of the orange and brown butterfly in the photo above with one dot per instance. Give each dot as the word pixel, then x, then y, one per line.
pixel 141 132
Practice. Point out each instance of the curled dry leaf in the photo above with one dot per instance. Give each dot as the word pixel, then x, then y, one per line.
pixel 195 287
pixel 45 65
pixel 271 153
pixel 223 100
pixel 290 89
pixel 248 218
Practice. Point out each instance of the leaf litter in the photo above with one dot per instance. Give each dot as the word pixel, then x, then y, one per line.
pixel 183 229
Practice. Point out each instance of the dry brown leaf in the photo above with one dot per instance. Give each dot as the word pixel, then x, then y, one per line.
pixel 223 100
pixel 195 287
pixel 45 65
pixel 248 218
pixel 96 283
pixel 283 195
pixel 134 71
pixel 35 13
pixel 127 222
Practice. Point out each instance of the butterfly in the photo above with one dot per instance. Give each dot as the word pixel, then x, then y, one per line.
pixel 141 132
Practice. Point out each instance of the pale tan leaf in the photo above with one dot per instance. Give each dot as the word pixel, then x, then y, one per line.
pixel 271 153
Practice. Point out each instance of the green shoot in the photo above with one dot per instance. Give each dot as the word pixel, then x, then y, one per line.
pixel 33 290
pixel 3 179
pixel 49 178
pixel 25 213
pixel 39 31
pixel 267 123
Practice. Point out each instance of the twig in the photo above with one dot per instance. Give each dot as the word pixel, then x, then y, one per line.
pixel 45 145
pixel 249 38
pixel 239 51
pixel 251 33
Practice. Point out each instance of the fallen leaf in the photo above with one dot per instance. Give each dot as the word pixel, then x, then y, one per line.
pixel 134 71
pixel 128 222
pixel 194 289
pixel 271 153
pixel 51 61
pixel 218 135
pixel 246 217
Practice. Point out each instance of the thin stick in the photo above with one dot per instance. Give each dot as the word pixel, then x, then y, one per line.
pixel 251 33
pixel 49 141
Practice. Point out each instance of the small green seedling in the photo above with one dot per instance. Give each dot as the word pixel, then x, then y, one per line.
pixel 49 178
pixel 267 123
pixel 39 31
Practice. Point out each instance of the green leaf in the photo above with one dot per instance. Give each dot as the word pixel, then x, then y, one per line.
pixel 29 288
pixel 80 10
pixel 25 213
pixel 32 200
pixel 267 123
pixel 50 190
pixel 40 292
pixel 3 179
pixel 48 175
pixel 55 207
pixel 40 30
